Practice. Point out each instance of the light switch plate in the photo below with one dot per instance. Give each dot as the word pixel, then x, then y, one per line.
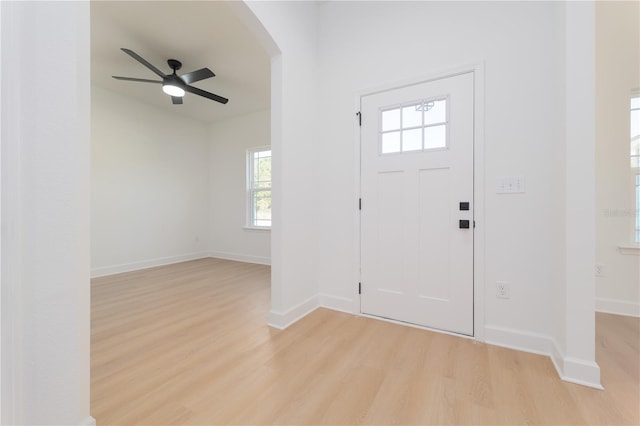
pixel 510 185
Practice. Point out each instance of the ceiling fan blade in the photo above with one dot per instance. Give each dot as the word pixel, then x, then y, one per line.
pixel 177 100
pixel 206 94
pixel 198 75
pixel 140 59
pixel 142 80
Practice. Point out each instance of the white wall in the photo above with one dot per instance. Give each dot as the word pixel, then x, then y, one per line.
pixel 229 141
pixel 617 74
pixel 365 45
pixel 149 185
pixel 44 153
pixel 575 358
pixel 289 31
pixel 45 212
pixel 517 42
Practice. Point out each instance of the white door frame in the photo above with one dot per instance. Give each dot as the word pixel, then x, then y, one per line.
pixel 477 69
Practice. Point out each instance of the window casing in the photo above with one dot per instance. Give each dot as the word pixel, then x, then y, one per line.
pixel 635 160
pixel 259 188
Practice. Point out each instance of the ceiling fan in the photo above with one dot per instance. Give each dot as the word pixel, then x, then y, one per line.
pixel 173 84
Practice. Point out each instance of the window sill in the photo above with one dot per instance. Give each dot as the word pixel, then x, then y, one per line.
pixel 256 228
pixel 633 249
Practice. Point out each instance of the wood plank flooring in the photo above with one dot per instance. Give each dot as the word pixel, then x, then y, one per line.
pixel 187 344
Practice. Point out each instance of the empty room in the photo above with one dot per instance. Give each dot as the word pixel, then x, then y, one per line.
pixel 320 212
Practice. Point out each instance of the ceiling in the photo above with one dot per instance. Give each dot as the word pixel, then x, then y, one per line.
pixel 199 34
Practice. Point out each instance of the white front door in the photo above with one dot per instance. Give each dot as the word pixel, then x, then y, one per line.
pixel 417 193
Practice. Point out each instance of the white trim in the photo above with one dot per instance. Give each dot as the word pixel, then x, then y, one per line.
pixel 519 340
pixel 11 332
pixel 282 320
pixel 144 264
pixel 262 260
pixel 618 307
pixel 356 306
pixel 478 199
pixel 89 421
pixel 477 69
pixel 572 370
pixel 335 303
pixel 581 372
pixel 633 249
pixel 257 228
pixel 418 326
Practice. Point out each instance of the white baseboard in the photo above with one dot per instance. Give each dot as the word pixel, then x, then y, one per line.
pixel 573 370
pixel 144 264
pixel 240 257
pixel 89 421
pixel 282 320
pixel 519 340
pixel 335 303
pixel 618 307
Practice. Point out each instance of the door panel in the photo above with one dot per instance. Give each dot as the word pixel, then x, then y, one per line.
pixel 417 166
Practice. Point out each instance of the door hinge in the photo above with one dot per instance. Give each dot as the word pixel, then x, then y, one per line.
pixel 359 288
pixel 474 223
pixel 359 114
pixel 359 203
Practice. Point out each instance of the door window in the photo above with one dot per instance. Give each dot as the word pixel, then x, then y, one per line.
pixel 415 126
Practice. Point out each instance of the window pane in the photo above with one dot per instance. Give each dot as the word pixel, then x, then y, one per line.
pixel 437 113
pixel 638 208
pixel 262 173
pixel 635 123
pixel 390 142
pixel 259 188
pixel 391 119
pixel 412 140
pixel 435 137
pixel 411 117
pixel 262 208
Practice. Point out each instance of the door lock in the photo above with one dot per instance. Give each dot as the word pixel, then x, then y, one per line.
pixel 464 224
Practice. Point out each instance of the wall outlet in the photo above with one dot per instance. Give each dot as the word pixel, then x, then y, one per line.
pixel 599 270
pixel 502 290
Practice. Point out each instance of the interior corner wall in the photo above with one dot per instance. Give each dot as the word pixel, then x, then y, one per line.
pixel 149 181
pixel 617 75
pixel 292 26
pixel 229 141
pixel 579 363
pixel 524 136
pixel 45 212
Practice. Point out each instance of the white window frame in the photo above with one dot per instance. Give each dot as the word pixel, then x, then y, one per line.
pixel 423 126
pixel 251 190
pixel 635 172
pixel 634 246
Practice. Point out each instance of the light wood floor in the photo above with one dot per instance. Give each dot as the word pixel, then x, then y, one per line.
pixel 188 344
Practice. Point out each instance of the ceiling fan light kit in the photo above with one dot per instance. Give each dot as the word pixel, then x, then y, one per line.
pixel 173 84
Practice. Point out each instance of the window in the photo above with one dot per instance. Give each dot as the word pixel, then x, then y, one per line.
pixel 417 126
pixel 259 188
pixel 635 158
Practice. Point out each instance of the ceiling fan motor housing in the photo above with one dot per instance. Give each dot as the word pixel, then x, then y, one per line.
pixel 174 64
pixel 173 80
